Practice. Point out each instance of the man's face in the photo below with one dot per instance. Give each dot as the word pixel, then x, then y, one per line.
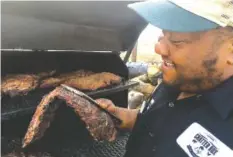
pixel 193 61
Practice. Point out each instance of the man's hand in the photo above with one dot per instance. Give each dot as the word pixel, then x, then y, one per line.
pixel 128 116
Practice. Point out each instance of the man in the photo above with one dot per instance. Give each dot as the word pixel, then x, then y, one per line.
pixel 191 112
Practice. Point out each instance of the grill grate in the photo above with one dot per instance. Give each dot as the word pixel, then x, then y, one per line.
pixel 21 105
pixel 94 149
pixel 66 137
pixel 98 149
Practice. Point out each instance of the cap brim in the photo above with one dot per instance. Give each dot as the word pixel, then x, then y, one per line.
pixel 168 16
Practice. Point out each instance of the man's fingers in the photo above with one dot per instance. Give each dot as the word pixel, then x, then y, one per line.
pixel 108 105
pixel 104 103
pixel 101 104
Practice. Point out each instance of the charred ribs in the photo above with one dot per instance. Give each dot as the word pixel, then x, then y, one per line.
pixel 21 84
pixel 83 80
pixel 98 123
pixel 94 81
pixel 56 81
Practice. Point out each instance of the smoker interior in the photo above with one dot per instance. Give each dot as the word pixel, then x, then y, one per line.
pixel 15 62
pixel 67 135
pixel 26 104
pixel 35 61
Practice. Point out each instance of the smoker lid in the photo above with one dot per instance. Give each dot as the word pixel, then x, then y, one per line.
pixel 69 25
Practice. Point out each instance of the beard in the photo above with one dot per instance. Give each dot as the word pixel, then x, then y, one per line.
pixel 202 80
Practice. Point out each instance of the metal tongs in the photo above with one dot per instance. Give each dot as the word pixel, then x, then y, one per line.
pixel 116 120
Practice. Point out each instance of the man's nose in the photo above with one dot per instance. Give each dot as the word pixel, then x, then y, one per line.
pixel 161 48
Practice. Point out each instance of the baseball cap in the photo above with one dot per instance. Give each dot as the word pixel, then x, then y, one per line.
pixel 186 15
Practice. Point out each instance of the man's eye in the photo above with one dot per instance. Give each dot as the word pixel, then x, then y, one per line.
pixel 177 42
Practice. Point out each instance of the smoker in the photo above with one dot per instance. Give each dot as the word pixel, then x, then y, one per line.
pixel 64 36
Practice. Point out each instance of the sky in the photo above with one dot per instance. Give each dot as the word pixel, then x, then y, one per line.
pixel 150 34
pixel 147 39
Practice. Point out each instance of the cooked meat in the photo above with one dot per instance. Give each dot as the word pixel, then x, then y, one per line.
pixel 94 81
pixel 21 84
pixel 42 118
pixel 50 82
pixel 22 154
pixel 42 75
pixel 98 123
pixel 55 81
pixel 79 73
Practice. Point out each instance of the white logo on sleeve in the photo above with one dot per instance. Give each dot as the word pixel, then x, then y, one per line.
pixel 196 141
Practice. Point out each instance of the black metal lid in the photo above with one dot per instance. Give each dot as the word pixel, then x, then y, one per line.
pixel 69 25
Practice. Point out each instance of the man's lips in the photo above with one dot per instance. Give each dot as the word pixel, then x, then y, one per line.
pixel 168 64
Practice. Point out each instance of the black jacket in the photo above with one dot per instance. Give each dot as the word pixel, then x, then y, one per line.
pixel 159 125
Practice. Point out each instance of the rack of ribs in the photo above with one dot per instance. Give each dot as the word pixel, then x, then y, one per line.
pixel 99 124
pixel 56 81
pixel 94 81
pixel 21 84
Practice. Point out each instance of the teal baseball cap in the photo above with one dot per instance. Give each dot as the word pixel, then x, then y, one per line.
pixel 186 15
